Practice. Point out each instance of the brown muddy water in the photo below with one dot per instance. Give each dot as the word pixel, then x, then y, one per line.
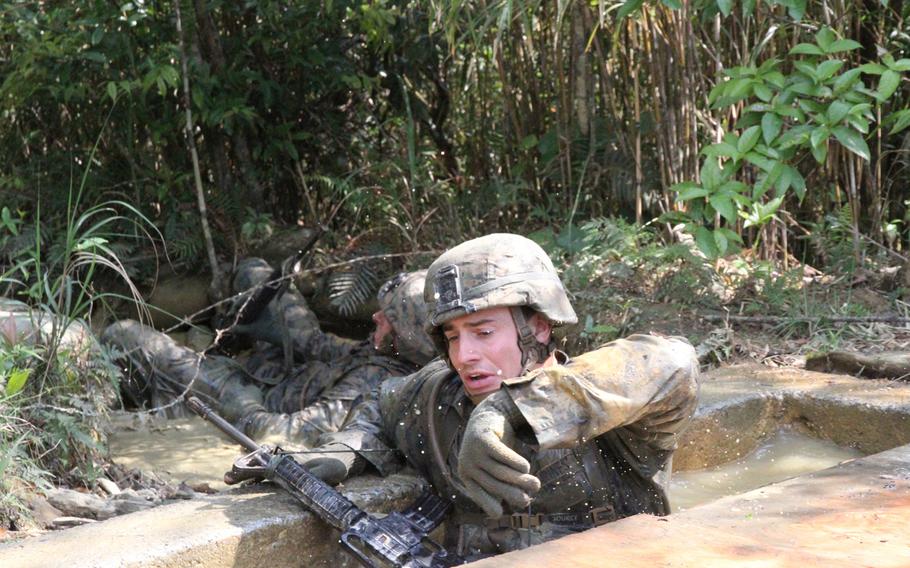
pixel 178 450
pixel 194 451
pixel 785 454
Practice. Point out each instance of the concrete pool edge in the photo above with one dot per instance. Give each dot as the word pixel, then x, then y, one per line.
pixel 853 514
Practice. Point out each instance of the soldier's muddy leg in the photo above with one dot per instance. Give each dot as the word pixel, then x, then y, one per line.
pixel 163 371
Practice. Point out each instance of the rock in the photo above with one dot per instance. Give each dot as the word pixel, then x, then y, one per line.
pixel 886 365
pixel 69 522
pixel 77 504
pixel 144 495
pixel 126 506
pixel 42 511
pixel 176 297
pixel 108 486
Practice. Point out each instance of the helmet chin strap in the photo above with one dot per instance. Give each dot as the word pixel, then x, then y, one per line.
pixel 533 352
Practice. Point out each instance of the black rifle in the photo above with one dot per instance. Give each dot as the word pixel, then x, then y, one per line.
pixel 399 539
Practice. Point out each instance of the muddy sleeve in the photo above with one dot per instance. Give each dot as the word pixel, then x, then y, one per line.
pixel 309 341
pixel 646 383
pixel 363 432
pixel 327 414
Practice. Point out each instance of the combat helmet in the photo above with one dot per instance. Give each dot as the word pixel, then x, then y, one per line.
pixel 401 299
pixel 498 270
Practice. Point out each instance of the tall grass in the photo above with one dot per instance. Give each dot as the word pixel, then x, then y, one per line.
pixel 56 381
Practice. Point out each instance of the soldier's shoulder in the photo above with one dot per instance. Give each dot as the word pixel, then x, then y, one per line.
pixel 410 385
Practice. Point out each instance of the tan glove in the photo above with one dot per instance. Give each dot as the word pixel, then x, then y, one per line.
pixel 332 463
pixel 492 472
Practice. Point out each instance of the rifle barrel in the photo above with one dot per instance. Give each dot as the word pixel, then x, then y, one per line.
pixel 203 410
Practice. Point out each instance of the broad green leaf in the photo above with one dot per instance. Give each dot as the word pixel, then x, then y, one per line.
pixel 770 127
pixel 747 8
pixel 843 45
pixel 797 182
pixel 887 85
pixel 901 120
pixel 689 193
pixel 768 151
pixel 97 35
pixel 846 80
pixel 16 381
pixel 759 107
pixel 761 187
pixel 723 205
pixel 859 123
pixel 721 241
pixel 872 68
pixel 763 92
pixel 738 89
pixel 628 7
pixel 806 49
pixel 724 149
pixel 768 210
pixel 732 187
pixel 730 235
pixel 725 6
pixel 529 142
pixel 716 92
pixel 748 140
pixel 112 90
pixel 776 78
pixel 806 69
pixel 827 69
pixel 796 9
pixel 788 111
pixel 819 136
pixel 95 56
pixel 711 175
pixel 704 239
pixel 8 222
pixel 901 65
pixel 837 111
pixel 862 109
pixel 820 153
pixel 853 141
pixel 824 38
pixel 796 136
pixel 758 160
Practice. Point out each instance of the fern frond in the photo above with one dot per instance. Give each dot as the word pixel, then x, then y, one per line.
pixel 352 288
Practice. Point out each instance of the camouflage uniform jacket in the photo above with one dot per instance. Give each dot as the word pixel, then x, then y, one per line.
pixel 315 397
pixel 604 425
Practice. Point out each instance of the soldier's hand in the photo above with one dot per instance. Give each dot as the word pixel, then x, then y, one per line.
pixel 331 463
pixel 492 472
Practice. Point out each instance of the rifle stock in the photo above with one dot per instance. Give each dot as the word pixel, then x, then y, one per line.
pixel 398 539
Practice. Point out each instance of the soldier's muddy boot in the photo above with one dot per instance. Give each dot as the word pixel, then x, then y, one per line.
pixel 161 371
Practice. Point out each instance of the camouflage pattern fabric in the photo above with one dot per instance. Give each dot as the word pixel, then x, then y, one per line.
pixel 290 314
pixel 603 428
pixel 267 400
pixel 401 300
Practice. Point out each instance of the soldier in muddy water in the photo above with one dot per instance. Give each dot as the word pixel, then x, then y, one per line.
pixel 268 399
pixel 528 443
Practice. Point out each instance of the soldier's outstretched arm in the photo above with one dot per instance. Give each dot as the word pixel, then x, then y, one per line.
pixel 327 414
pixel 644 380
pixel 364 429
